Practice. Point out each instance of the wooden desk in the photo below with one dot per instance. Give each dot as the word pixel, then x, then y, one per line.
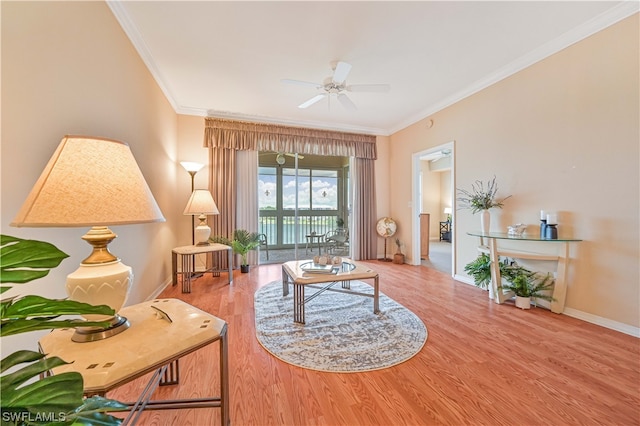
pixel 187 257
pixel 293 272
pixel 152 343
pixel 561 257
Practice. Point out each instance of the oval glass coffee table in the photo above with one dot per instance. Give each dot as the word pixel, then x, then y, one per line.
pixel 303 273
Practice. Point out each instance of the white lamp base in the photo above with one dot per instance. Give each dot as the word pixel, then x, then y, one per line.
pixel 101 284
pixel 202 232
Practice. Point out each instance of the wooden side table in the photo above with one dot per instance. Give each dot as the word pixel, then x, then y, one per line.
pixel 187 262
pixel 161 332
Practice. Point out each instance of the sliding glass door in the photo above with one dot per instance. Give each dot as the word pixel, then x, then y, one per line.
pixel 300 205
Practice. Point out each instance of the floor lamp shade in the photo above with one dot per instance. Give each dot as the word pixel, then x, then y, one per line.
pixel 92 182
pixel 201 203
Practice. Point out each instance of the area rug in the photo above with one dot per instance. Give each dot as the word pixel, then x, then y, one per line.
pixel 341 333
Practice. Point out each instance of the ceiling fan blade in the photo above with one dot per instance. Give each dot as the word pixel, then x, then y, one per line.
pixel 346 102
pixel 368 88
pixel 341 72
pixel 302 83
pixel 312 101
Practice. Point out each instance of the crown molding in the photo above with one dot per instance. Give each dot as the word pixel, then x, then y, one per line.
pixel 604 20
pixel 593 26
pixel 139 44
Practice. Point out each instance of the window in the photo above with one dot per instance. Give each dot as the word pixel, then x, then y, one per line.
pixel 320 191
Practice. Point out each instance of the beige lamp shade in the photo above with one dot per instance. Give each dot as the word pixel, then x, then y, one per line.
pixel 93 182
pixel 201 203
pixel 89 182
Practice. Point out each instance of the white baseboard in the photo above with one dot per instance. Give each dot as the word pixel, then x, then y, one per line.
pixel 604 322
pixel 584 316
pixel 160 289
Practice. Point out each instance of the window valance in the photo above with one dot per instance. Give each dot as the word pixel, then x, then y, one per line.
pixel 241 135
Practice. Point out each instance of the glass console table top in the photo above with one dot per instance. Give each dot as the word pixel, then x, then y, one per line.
pixel 524 237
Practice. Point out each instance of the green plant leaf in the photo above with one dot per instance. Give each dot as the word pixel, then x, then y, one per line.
pixel 19 357
pixel 34 324
pixel 59 393
pixel 36 306
pixel 31 370
pixel 27 260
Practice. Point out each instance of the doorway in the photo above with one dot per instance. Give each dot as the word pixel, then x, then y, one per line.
pixel 302 199
pixel 433 180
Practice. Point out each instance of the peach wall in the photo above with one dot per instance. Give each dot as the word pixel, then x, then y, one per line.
pixel 560 135
pixel 68 68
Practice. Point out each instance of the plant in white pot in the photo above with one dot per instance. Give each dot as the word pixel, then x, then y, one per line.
pixel 529 285
pixel 481 198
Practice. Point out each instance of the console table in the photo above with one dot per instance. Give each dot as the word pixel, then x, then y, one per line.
pixel 561 246
pixel 188 267
pixel 161 332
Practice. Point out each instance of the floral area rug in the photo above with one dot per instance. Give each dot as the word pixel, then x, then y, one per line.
pixel 341 333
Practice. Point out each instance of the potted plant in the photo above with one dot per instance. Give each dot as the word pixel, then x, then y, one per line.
pixel 340 222
pixel 480 270
pixel 481 198
pixel 528 285
pixel 54 399
pixel 243 241
pixel 398 258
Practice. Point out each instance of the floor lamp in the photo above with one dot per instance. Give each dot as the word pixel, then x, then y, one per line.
pixel 192 168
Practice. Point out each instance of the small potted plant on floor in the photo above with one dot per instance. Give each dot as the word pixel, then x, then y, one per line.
pixel 398 258
pixel 530 285
pixel 242 243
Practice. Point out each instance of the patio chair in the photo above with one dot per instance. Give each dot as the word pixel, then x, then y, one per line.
pixel 263 242
pixel 337 241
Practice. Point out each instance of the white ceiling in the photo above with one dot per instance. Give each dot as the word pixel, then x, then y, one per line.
pixel 227 59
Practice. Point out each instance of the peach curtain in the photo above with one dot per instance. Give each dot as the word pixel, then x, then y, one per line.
pixel 364 242
pixel 241 135
pixel 225 137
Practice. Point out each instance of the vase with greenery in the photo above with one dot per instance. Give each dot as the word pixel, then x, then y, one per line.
pixel 242 243
pixel 56 399
pixel 481 198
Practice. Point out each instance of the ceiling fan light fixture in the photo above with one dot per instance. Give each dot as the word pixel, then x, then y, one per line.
pixel 336 85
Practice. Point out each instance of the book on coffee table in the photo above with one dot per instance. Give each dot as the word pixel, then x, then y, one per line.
pixel 316 268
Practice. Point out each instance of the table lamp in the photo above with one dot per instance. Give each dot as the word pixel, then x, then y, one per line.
pixel 93 182
pixel 201 203
pixel 447 211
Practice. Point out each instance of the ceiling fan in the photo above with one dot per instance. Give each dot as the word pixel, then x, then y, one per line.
pixel 336 85
pixel 280 156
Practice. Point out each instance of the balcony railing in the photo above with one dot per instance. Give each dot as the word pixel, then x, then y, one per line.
pixel 280 227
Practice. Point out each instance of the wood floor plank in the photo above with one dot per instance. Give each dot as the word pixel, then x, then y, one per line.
pixel 483 364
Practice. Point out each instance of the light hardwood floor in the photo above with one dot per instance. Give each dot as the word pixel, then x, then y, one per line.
pixel 483 364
